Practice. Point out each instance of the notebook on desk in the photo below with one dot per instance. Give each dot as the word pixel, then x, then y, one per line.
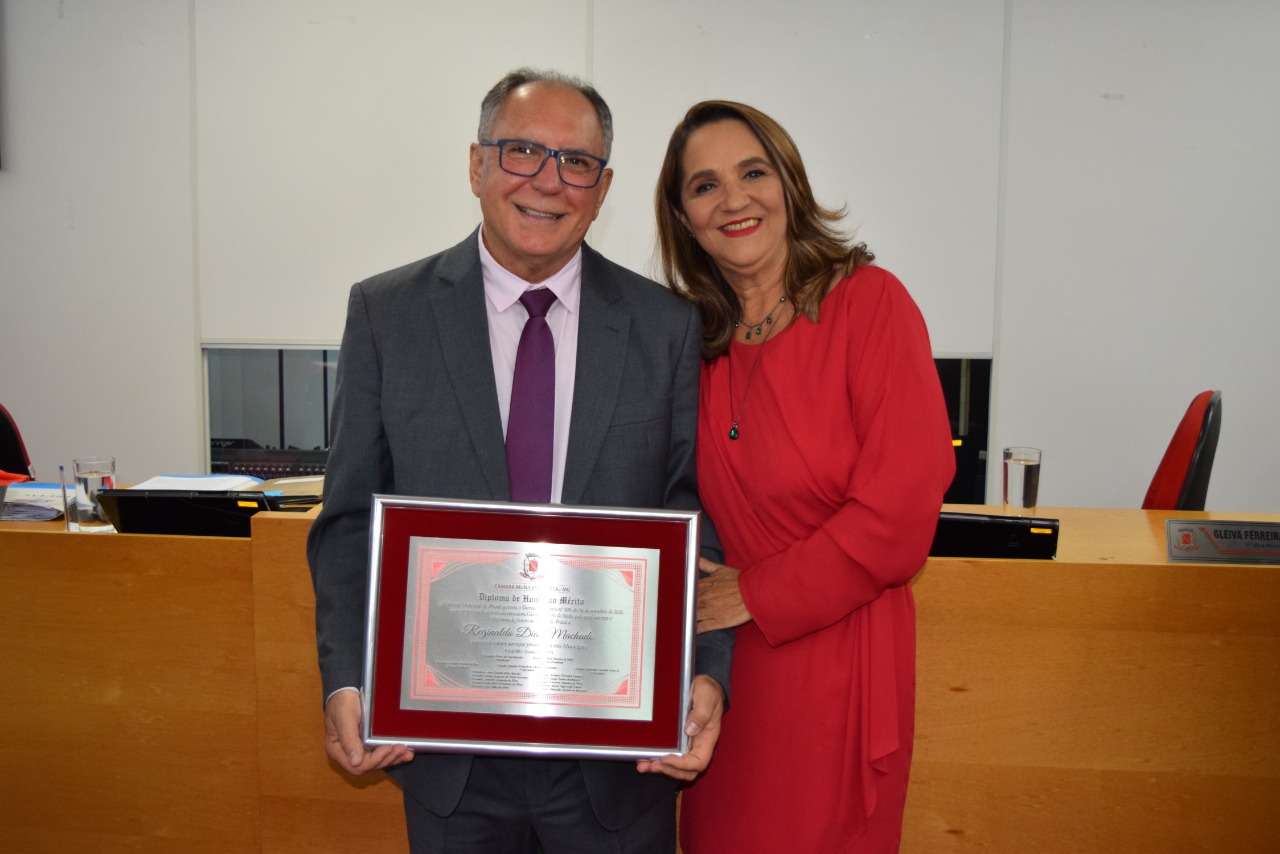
pixel 186 512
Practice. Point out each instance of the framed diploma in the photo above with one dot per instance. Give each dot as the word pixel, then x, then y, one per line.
pixel 496 627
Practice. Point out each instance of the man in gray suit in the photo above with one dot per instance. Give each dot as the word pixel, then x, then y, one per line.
pixel 423 396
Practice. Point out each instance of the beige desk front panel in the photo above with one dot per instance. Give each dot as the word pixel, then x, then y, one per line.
pixel 1104 702
pixel 161 694
pixel 127 679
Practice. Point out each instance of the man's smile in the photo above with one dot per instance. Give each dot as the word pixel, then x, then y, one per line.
pixel 538 214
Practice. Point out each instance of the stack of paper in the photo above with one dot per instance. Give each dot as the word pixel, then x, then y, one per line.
pixel 33 502
pixel 201 482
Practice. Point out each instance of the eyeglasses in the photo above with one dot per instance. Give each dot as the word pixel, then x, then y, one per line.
pixel 525 158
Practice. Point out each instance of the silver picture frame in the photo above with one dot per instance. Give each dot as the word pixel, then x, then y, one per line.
pixel 529 629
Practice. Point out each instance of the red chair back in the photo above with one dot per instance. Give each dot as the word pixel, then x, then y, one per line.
pixel 13 453
pixel 1181 480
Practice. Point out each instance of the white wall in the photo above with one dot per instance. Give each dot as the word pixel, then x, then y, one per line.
pixel 872 92
pixel 333 143
pixel 1141 211
pixel 1084 190
pixel 99 350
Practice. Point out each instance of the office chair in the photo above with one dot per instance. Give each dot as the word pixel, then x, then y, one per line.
pixel 13 454
pixel 1182 478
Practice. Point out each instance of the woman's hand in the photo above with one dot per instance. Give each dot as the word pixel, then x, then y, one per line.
pixel 720 604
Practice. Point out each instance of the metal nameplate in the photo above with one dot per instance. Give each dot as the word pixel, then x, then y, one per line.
pixel 1216 541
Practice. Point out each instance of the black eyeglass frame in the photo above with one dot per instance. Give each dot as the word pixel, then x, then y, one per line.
pixel 549 153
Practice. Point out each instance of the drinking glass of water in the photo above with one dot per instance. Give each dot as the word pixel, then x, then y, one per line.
pixel 1021 481
pixel 93 474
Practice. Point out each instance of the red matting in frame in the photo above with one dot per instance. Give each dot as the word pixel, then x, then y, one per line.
pixel 470 731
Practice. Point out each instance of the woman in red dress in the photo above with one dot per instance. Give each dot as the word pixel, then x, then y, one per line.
pixel 824 451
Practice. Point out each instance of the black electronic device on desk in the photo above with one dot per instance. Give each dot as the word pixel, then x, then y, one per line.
pixel 185 512
pixel 980 535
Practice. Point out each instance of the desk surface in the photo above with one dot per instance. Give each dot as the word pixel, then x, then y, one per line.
pixel 1087 534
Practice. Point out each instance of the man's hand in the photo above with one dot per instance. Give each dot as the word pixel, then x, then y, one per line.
pixel 342 737
pixel 706 707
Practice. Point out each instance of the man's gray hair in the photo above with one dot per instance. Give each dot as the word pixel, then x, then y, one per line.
pixel 497 96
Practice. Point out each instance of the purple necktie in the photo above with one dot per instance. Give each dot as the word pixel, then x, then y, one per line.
pixel 531 420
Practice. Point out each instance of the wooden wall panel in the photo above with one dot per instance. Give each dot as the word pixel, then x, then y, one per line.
pixel 126 666
pixel 306 798
pixel 1104 701
pixel 1012 809
pixel 162 695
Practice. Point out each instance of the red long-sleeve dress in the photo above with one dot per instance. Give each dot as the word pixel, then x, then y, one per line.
pixel 827 502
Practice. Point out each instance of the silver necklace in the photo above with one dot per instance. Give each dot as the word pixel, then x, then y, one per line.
pixel 733 430
pixel 768 318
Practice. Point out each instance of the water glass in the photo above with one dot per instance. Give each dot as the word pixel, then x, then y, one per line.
pixel 1021 481
pixel 93 474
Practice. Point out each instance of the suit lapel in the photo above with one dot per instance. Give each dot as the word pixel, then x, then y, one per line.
pixel 603 330
pixel 462 325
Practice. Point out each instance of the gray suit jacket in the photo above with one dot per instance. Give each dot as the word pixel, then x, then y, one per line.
pixel 416 413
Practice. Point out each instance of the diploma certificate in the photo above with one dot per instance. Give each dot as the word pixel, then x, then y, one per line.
pixel 496 627
pixel 530 628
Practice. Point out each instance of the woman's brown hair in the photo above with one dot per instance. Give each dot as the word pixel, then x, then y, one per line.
pixel 818 254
